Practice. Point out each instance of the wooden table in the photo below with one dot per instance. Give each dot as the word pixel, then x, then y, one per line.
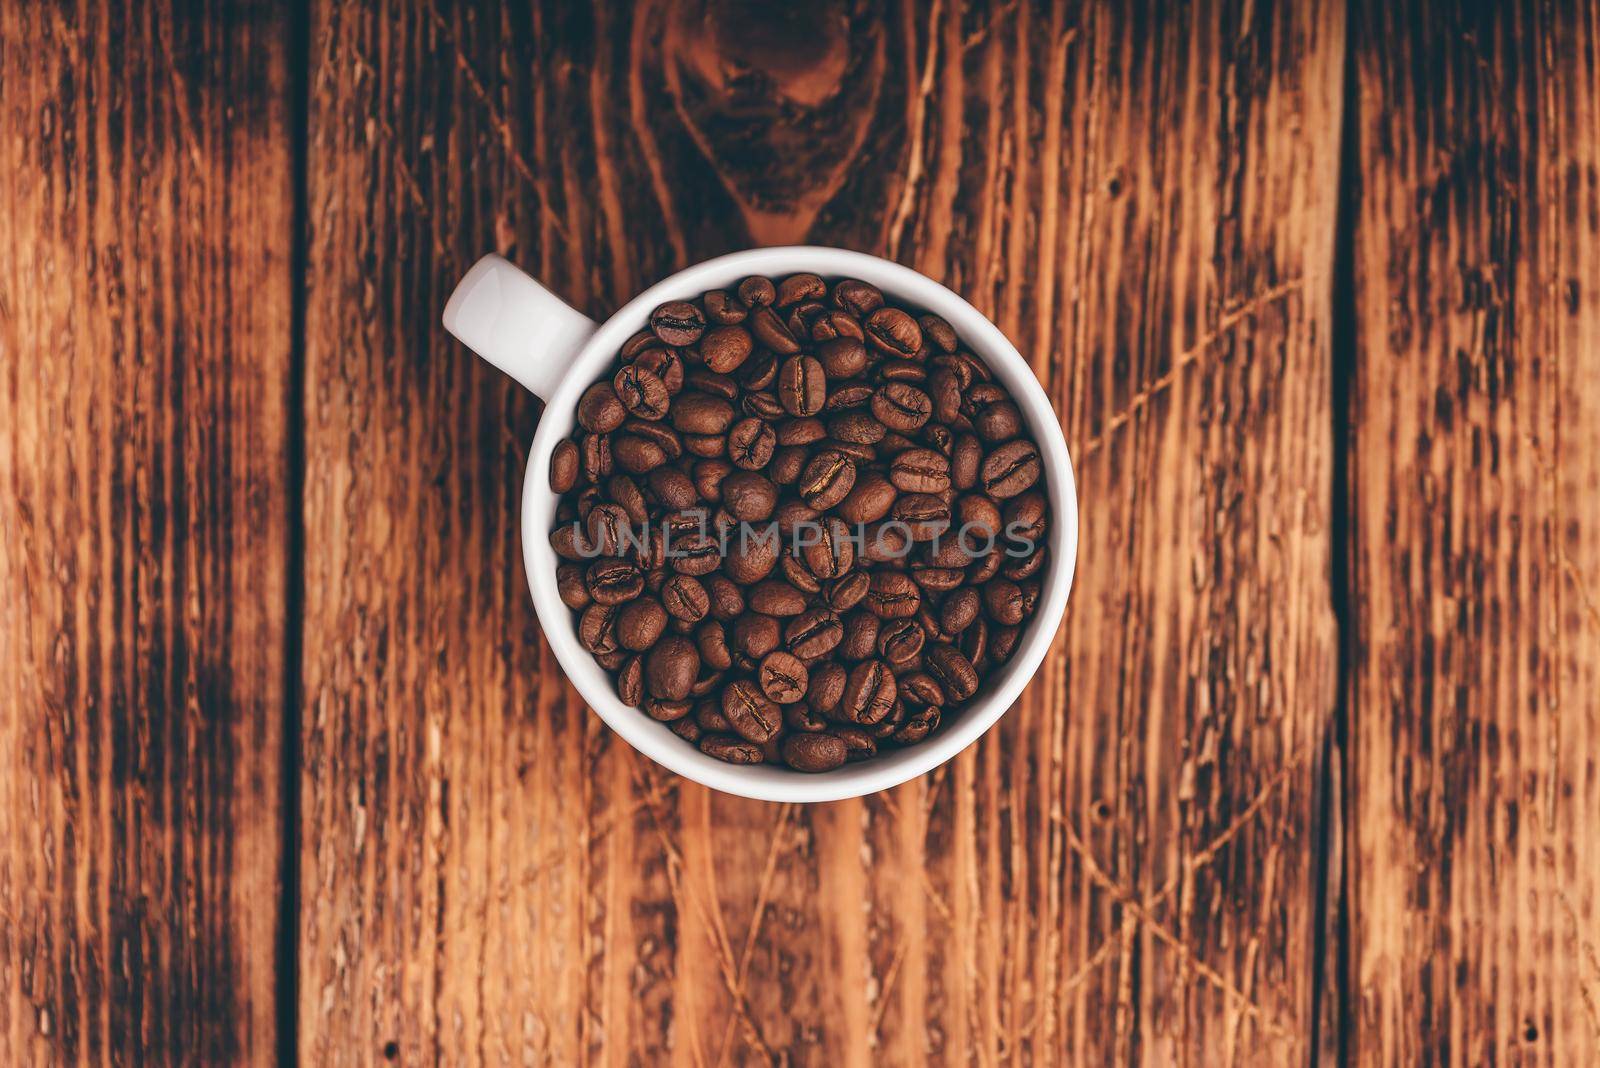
pixel 1310 775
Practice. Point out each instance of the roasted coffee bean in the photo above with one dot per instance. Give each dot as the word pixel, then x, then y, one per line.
pixel 919 688
pixel 805 431
pixel 759 372
pixel 755 635
pixel 630 681
pixel 564 466
pixel 892 595
pixel 711 640
pixel 665 364
pixel 641 392
pixel 858 298
pixel 827 479
pixel 725 348
pixel 595 453
pixel 750 712
pixel 802 386
pixel 671 667
pixel 799 287
pixel 895 370
pixel 707 712
pixel 1003 600
pixel 637 455
pixel 959 610
pixel 798 575
pixel 869 692
pixel 953 671
pixel 599 410
pixel 900 641
pixel 937 332
pixel 861 454
pixel 727 599
pixel 625 494
pixel 657 433
pixel 833 551
pixel 687 728
pixel 644 339
pixel 708 446
pixel 569 542
pixel 749 496
pixel 695 553
pixel 801 717
pixel 782 677
pixel 597 628
pixel 885 543
pixel 813 634
pixel 569 584
pixel 894 332
pixel 1025 516
pixel 1017 568
pixel 869 500
pixel 858 743
pixel 925 515
pixel 860 639
pixel 1010 469
pixel 826 689
pixel 920 471
pixel 771 332
pixel 775 597
pixel 832 325
pixel 850 396
pixel 998 421
pixel 917 725
pixel 937 579
pixel 787 463
pixel 849 591
pixel 965 460
pixel 978 521
pixel 901 406
pixel 791 516
pixel 814 752
pixel 986 567
pixel 702 413
pixel 1003 642
pixel 667 711
pixel 757 291
pixel 673 488
pixel 732 750
pixel 640 623
pixel 750 443
pixel 685 597
pixel 752 554
pixel 612 581
pixel 723 307
pixel 856 427
pixel 709 476
pixel 678 322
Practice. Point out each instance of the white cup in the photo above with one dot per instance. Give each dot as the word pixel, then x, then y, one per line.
pixel 556 352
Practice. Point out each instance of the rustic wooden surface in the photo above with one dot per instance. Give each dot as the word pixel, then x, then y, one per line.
pixel 1309 775
pixel 146 220
pixel 1472 794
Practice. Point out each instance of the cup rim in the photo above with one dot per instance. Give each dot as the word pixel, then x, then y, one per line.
pixel 763 781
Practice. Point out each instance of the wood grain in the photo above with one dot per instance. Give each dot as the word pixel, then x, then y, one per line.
pixel 146 220
pixel 1474 804
pixel 1143 199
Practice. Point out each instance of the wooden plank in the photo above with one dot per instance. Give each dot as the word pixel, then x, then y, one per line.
pixel 145 305
pixel 1143 198
pixel 1473 713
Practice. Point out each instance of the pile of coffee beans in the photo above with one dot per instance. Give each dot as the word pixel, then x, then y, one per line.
pixel 799 523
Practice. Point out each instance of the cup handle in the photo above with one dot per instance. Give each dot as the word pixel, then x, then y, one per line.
pixel 517 324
